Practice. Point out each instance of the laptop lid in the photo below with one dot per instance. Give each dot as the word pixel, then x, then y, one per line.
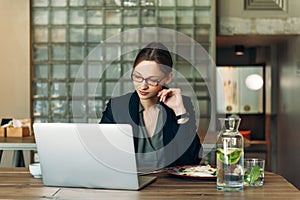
pixel 87 155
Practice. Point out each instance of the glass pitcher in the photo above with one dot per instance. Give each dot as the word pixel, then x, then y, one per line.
pixel 230 156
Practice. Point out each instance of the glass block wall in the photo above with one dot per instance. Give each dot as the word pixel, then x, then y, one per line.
pixel 64 32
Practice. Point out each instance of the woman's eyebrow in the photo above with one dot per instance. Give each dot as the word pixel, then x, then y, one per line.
pixel 146 77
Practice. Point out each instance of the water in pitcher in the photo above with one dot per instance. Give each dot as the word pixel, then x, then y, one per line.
pixel 230 156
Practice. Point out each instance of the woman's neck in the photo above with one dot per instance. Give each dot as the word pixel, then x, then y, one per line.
pixel 149 103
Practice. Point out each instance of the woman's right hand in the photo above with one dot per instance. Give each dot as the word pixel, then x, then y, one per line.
pixel 172 97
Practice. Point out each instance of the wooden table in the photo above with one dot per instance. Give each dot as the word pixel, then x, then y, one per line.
pixel 17 183
pixel 18 145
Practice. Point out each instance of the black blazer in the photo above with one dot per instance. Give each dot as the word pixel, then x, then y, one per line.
pixel 181 144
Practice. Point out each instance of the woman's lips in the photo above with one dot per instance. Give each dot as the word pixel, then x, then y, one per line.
pixel 143 93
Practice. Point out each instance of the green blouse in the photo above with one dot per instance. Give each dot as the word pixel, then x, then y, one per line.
pixel 147 152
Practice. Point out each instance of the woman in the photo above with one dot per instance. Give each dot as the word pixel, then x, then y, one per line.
pixel 163 120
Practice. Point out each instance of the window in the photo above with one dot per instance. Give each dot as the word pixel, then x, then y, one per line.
pixel 243 89
pixel 64 32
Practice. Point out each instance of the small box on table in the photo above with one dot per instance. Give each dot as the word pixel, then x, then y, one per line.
pixel 2 132
pixel 17 132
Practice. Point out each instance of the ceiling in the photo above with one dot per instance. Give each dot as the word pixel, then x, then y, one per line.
pixel 250 40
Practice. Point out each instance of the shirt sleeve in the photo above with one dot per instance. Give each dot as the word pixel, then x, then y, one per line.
pixel 107 116
pixel 189 138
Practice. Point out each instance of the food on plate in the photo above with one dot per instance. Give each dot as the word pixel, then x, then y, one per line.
pixel 201 170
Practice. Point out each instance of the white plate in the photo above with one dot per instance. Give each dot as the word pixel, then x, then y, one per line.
pixel 184 172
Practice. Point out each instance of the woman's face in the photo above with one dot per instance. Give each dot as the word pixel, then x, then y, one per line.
pixel 148 79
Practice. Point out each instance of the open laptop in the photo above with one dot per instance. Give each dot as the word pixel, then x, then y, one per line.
pixel 88 155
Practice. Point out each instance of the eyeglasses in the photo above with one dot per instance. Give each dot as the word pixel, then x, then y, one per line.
pixel 149 81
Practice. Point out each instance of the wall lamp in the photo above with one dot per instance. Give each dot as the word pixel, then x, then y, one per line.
pixel 254 82
pixel 239 50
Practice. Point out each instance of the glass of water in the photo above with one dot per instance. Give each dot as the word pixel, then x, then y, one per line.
pixel 254 171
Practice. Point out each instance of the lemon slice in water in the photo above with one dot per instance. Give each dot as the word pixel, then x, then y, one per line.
pixel 232 156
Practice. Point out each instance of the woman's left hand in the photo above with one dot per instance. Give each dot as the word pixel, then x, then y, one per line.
pixel 173 99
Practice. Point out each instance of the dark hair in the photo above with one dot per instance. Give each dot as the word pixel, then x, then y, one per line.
pixel 157 52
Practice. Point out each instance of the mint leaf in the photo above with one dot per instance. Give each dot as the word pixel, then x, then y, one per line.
pixel 181 169
pixel 234 157
pixel 254 174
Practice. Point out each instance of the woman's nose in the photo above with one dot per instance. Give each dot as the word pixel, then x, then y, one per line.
pixel 144 84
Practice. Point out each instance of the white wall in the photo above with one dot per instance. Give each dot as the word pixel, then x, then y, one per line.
pixel 15 59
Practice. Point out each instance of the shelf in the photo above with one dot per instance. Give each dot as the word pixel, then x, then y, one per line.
pixel 258 142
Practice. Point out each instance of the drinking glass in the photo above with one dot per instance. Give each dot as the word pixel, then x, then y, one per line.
pixel 254 171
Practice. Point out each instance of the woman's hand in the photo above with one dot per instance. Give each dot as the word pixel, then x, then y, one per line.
pixel 173 99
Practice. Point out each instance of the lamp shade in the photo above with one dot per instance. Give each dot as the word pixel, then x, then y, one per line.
pixel 239 50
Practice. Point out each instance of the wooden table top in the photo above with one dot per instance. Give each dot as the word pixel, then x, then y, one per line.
pixel 28 139
pixel 17 183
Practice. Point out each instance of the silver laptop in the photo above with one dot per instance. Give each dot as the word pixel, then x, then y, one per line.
pixel 88 155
